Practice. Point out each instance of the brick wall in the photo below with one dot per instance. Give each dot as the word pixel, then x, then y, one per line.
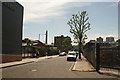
pixel 10 58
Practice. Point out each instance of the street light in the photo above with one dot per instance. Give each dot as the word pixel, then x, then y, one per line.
pixel 46 38
pixel 40 35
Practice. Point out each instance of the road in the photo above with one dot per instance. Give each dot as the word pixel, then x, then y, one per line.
pixel 56 67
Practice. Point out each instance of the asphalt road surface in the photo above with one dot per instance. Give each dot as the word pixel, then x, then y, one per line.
pixel 57 67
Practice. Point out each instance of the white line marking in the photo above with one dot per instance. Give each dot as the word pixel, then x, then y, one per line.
pixel 71 66
pixel 34 70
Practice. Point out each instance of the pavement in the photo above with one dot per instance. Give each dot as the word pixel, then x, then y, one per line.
pixel 24 61
pixel 83 65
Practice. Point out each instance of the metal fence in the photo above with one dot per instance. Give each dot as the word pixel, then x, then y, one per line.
pixel 110 57
pixel 28 52
pixel 102 56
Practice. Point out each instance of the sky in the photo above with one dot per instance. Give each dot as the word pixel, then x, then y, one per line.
pixel 53 16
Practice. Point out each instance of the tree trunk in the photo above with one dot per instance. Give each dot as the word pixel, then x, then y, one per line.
pixel 79 51
pixel 80 44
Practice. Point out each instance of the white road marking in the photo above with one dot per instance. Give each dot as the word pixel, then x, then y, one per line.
pixel 34 70
pixel 71 66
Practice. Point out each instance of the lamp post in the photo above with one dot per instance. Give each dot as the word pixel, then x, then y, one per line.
pixel 46 37
pixel 39 37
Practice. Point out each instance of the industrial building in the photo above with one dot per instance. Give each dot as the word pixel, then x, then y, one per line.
pixel 11 22
pixel 58 41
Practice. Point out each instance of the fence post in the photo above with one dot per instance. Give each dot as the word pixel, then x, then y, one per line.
pixel 97 57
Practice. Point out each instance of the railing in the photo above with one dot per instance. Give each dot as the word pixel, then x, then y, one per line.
pixel 38 52
pixel 28 52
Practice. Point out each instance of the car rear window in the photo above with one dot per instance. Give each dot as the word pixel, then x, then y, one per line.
pixel 72 54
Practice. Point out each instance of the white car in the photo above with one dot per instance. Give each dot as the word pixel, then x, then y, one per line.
pixel 71 55
pixel 62 54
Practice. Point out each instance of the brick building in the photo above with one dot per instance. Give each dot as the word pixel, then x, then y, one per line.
pixel 58 40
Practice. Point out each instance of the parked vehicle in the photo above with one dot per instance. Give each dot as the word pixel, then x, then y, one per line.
pixel 62 54
pixel 71 56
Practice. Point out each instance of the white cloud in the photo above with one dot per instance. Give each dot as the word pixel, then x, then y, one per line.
pixel 94 36
pixel 68 0
pixel 40 11
pixel 76 4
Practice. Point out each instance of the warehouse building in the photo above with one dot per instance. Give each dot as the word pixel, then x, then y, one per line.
pixel 11 22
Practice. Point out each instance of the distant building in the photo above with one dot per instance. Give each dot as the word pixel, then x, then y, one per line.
pixel 58 40
pixel 92 41
pixel 110 39
pixel 100 40
pixel 33 50
pixel 11 22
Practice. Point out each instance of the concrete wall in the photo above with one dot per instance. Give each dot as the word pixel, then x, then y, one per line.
pixel 0 31
pixel 12 18
pixel 12 22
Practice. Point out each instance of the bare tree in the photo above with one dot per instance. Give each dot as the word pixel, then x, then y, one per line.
pixel 79 25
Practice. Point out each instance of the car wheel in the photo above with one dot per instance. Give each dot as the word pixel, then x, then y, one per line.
pixel 74 59
pixel 67 59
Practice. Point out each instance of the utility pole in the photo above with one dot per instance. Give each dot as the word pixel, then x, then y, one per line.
pixel 39 37
pixel 46 37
